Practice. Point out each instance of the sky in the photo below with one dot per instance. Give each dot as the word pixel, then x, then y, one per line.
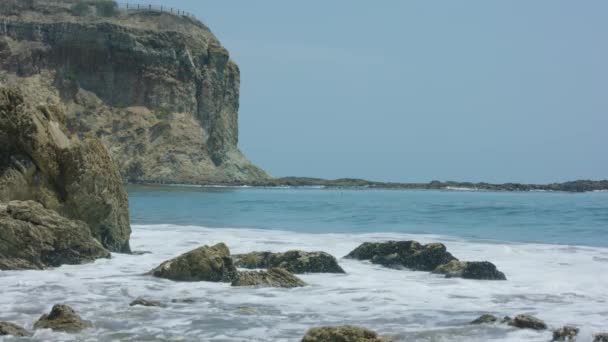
pixel 419 90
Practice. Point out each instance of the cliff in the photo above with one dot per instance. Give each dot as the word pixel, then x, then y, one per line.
pixel 157 89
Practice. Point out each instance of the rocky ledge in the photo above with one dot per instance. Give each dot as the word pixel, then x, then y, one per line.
pixel 294 261
pixel 273 277
pixel 431 257
pixel 7 328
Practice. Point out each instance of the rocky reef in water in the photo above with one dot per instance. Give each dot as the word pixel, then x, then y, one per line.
pixel 158 89
pixel 63 195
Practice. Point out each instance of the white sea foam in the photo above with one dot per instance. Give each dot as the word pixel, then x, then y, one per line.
pixel 560 284
pixel 459 188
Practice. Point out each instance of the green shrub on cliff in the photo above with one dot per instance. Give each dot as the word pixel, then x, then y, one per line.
pixel 106 8
pixel 80 9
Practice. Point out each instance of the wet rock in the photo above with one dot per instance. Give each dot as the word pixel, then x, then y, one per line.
pixel 202 264
pixel 32 237
pixel 294 261
pixel 600 337
pixel 528 322
pixel 273 277
pixel 409 254
pixel 480 270
pixel 7 328
pixel 342 333
pixel 183 300
pixel 487 318
pixel 565 333
pixel 145 302
pixel 62 318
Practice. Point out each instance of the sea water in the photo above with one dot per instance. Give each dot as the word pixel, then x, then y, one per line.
pixel 553 248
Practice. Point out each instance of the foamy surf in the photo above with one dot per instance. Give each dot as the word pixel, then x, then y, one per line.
pixel 560 284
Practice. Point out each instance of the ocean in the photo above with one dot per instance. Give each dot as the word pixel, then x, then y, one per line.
pixel 553 248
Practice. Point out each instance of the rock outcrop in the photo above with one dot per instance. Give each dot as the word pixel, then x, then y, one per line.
pixel 527 322
pixel 565 333
pixel 342 333
pixel 41 161
pixel 32 237
pixel 62 318
pixel 202 264
pixel 157 88
pixel 486 318
pixel 273 277
pixel 430 257
pixel 293 261
pixel 7 328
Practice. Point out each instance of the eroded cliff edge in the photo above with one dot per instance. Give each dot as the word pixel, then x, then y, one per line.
pixel 157 89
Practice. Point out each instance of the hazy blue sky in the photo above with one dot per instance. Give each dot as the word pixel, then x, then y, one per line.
pixel 420 90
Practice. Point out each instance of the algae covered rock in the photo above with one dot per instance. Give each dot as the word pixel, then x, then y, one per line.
pixel 62 318
pixel 409 254
pixel 480 270
pixel 40 160
pixel 32 237
pixel 565 333
pixel 294 261
pixel 201 264
pixel 486 318
pixel 273 277
pixel 342 333
pixel 527 322
pixel 7 328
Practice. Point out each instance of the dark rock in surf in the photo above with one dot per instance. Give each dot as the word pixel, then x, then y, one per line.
pixel 294 261
pixel 483 319
pixel 7 328
pixel 202 264
pixel 565 333
pixel 145 302
pixel 62 318
pixel 527 322
pixel 273 277
pixel 480 270
pixel 408 254
pixel 342 333
pixel 600 337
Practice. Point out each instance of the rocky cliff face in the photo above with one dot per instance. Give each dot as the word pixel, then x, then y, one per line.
pixel 158 89
pixel 41 161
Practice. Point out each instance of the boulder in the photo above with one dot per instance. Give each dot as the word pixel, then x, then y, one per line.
pixel 62 318
pixel 294 261
pixel 342 333
pixel 409 254
pixel 527 322
pixel 565 333
pixel 487 318
pixel 145 302
pixel 480 270
pixel 273 277
pixel 32 237
pixel 201 264
pixel 41 161
pixel 7 328
pixel 600 337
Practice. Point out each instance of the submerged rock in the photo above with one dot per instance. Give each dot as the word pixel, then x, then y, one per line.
pixel 409 254
pixel 202 264
pixel 487 318
pixel 7 328
pixel 144 302
pixel 273 277
pixel 342 333
pixel 32 237
pixel 527 322
pixel 294 261
pixel 565 333
pixel 62 318
pixel 600 337
pixel 480 270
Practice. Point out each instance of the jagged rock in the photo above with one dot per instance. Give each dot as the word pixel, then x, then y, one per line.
pixel 202 264
pixel 600 337
pixel 527 322
pixel 7 328
pixel 565 333
pixel 163 95
pixel 145 302
pixel 481 270
pixel 32 237
pixel 409 254
pixel 487 318
pixel 342 333
pixel 294 261
pixel 273 277
pixel 41 161
pixel 62 318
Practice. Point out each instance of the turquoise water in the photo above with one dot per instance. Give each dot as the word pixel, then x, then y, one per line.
pixel 545 217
